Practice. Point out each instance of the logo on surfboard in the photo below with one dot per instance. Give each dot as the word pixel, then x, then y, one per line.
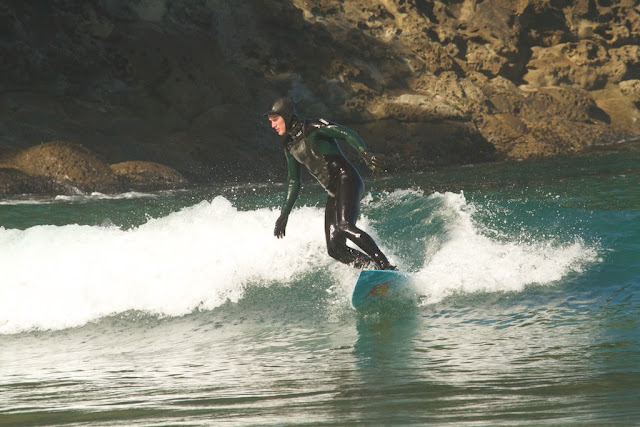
pixel 380 289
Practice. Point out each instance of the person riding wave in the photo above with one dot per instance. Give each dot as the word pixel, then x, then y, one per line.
pixel 312 143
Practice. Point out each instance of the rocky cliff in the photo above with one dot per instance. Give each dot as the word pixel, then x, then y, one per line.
pixel 184 82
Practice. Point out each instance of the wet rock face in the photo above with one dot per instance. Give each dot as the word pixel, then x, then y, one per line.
pixel 184 82
pixel 141 175
pixel 532 77
pixel 61 167
pixel 15 182
pixel 67 163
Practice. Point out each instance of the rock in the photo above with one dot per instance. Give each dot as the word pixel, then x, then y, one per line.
pixel 66 163
pixel 414 107
pixel 184 83
pixel 61 167
pixel 414 146
pixel 631 89
pixel 15 182
pixel 561 64
pixel 149 176
pixel 620 103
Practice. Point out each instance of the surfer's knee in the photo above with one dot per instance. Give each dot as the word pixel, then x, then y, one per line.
pixel 348 229
pixel 346 255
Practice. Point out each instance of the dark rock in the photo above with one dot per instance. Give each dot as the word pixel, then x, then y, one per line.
pixel 65 163
pixel 15 182
pixel 149 176
pixel 184 83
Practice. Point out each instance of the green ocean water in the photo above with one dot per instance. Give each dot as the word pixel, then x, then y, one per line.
pixel 181 308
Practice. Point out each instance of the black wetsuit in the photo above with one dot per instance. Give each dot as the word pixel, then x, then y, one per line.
pixel 312 143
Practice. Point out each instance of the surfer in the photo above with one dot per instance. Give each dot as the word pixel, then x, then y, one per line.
pixel 312 143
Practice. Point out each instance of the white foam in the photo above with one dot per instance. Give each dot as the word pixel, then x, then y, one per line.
pixel 77 197
pixel 465 260
pixel 58 277
pixel 55 277
pixel 82 197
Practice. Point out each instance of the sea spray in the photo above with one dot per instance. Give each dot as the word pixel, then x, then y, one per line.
pixel 58 277
pixel 289 352
pixel 465 259
pixel 203 255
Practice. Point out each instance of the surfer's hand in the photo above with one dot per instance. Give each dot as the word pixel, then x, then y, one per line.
pixel 372 161
pixel 281 225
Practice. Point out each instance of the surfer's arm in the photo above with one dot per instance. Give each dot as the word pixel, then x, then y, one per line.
pixel 354 140
pixel 342 132
pixel 293 189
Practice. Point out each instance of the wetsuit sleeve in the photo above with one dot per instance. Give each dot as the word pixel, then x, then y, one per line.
pixel 343 132
pixel 293 178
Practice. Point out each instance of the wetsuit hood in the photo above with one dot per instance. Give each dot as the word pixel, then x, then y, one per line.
pixel 285 108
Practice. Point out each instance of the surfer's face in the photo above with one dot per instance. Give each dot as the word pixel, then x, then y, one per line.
pixel 277 123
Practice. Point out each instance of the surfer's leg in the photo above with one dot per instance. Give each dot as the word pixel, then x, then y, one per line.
pixel 337 241
pixel 347 208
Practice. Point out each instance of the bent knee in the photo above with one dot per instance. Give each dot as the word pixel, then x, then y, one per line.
pixel 349 229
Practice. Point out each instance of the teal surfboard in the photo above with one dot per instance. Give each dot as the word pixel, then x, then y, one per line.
pixel 376 286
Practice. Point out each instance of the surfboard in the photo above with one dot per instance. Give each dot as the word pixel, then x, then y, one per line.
pixel 375 286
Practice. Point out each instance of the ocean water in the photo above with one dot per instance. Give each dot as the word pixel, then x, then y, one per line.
pixel 181 308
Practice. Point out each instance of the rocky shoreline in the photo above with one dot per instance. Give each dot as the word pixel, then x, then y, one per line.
pixel 60 167
pixel 114 95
